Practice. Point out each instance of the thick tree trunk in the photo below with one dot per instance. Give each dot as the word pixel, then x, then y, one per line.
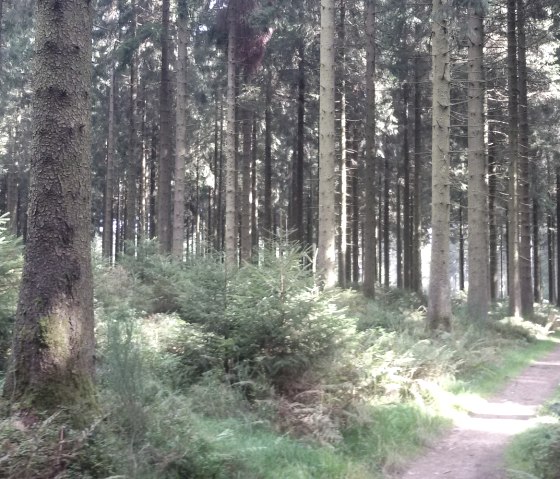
pixel 230 235
pixel 525 273
pixel 165 155
pixel 52 360
pixel 514 285
pixel 152 189
pixel 343 182
pixel 369 254
pixel 254 189
pixel 356 212
pixel 398 228
pixel 326 254
pixel 479 276
pixel 439 297
pixel 461 248
pixel 181 131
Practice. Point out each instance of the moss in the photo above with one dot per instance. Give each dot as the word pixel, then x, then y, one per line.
pixel 55 335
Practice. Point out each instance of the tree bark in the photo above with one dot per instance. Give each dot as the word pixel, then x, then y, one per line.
pixel 109 178
pixel 417 238
pixel 326 254
pixel 492 217
pixel 165 157
pixel 407 234
pixel 525 273
pixel 52 360
pixel 230 237
pixel 369 254
pixel 439 299
pixel 514 286
pixel 181 131
pixel 246 208
pixel 479 276
pixel 267 207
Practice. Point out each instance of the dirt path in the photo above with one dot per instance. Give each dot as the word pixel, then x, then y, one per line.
pixel 475 447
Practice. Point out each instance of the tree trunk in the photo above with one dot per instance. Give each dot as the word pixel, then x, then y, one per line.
pixel 181 131
pixel 109 178
pixel 537 294
pixel 267 207
pixel 514 286
pixel 254 189
pixel 407 235
pixel 386 221
pixel 492 219
pixel 165 156
pixel 52 360
pixel 369 255
pixel 356 212
pixel 152 189
pixel 246 208
pixel 12 190
pixel 525 273
pixel 439 299
pixel 326 254
pixel 478 297
pixel 133 154
pixel 230 236
pixel 461 248
pixel 417 241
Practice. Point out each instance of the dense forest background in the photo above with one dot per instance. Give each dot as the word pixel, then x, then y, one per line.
pixel 160 105
pixel 317 229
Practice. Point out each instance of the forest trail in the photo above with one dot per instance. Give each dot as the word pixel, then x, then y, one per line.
pixel 474 448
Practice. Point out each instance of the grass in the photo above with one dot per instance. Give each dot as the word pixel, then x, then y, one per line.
pixel 535 453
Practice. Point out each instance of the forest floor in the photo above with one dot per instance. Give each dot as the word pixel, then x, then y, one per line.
pixel 474 448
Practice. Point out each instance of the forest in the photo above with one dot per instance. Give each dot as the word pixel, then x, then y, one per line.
pixel 279 239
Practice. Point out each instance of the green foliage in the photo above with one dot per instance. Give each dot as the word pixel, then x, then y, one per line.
pixel 536 453
pixel 10 273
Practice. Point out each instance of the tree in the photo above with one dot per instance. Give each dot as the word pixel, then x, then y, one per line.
pixel 165 168
pixel 478 295
pixel 370 262
pixel 439 299
pixel 53 347
pixel 326 261
pixel 181 126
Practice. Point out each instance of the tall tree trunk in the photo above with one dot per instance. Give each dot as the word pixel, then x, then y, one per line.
pixel 417 239
pixel 386 221
pixel 109 178
pixel 53 349
pixel 152 189
pixel 230 234
pixel 165 157
pixel 369 258
pixel 326 254
pixel 133 154
pixel 343 183
pixel 479 276
pixel 297 202
pixel 246 208
pixel 267 207
pixel 537 294
pixel 525 273
pixel 439 298
pixel 492 217
pixel 356 211
pixel 557 235
pixel 514 286
pixel 254 189
pixel 550 259
pixel 181 130
pixel 407 234
pixel 398 228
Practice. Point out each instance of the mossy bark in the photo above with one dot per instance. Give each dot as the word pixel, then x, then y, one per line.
pixel 52 360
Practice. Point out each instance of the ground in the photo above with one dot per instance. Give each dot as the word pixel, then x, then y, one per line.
pixel 474 448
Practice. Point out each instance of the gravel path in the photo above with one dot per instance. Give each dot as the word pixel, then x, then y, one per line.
pixel 474 448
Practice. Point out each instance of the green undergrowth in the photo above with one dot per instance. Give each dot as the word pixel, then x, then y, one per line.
pixel 262 376
pixel 535 454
